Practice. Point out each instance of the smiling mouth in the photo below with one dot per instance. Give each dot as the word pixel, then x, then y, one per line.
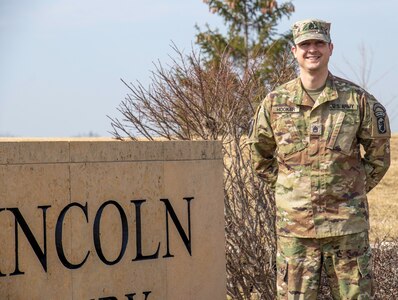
pixel 313 58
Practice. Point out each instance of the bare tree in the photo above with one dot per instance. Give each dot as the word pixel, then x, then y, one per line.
pixel 193 100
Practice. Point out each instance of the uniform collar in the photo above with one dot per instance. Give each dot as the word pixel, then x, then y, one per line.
pixel 300 97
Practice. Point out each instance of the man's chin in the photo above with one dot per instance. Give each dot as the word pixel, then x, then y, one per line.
pixel 313 68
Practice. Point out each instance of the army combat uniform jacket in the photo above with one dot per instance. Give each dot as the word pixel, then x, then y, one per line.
pixel 309 153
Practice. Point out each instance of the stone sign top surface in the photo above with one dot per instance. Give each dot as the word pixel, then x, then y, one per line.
pixel 59 150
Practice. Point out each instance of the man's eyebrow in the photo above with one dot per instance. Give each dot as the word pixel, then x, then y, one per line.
pixel 303 43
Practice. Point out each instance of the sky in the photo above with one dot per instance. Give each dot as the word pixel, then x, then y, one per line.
pixel 61 61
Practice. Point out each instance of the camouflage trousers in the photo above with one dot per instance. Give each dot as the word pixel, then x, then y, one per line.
pixel 346 260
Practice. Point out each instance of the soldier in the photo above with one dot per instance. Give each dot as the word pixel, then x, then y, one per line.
pixel 305 144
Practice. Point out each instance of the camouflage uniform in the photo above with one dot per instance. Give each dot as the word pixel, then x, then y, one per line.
pixel 346 260
pixel 309 153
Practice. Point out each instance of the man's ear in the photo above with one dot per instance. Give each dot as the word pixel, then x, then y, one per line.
pixel 294 50
pixel 331 47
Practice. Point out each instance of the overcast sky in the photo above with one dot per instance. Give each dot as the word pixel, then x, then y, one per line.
pixel 61 60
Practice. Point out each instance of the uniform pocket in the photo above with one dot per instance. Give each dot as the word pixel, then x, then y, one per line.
pixel 281 269
pixel 282 280
pixel 284 272
pixel 288 136
pixel 343 133
pixel 365 263
pixel 365 270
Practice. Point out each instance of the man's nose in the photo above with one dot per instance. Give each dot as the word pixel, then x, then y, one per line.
pixel 312 47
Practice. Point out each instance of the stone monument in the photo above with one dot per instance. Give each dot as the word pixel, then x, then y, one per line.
pixel 102 219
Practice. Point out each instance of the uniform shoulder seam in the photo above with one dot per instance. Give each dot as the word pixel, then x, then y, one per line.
pixel 341 81
pixel 284 88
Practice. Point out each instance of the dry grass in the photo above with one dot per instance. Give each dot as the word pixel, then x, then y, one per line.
pixel 383 200
pixel 383 206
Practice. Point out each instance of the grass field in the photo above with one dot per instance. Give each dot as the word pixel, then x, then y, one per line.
pixel 383 200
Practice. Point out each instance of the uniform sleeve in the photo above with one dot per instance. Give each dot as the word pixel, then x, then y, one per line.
pixel 262 146
pixel 374 135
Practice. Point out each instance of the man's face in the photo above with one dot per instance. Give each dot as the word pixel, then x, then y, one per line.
pixel 313 55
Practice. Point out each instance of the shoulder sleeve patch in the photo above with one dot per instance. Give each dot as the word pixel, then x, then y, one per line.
pixel 380 123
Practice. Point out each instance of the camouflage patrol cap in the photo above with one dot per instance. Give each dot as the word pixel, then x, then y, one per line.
pixel 311 29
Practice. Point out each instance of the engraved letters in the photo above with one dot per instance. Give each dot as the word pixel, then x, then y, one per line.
pixel 40 247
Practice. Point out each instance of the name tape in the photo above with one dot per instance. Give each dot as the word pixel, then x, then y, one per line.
pixel 285 109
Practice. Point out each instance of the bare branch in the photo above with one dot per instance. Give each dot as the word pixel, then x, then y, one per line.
pixel 192 100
